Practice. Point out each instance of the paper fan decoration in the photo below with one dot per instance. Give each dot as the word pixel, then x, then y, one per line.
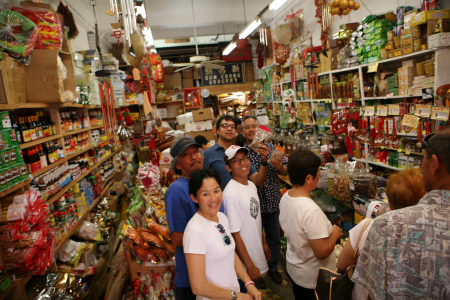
pixel 282 34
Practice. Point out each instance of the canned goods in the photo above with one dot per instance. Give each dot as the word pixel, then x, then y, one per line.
pixel 2 180
pixel 23 172
pixel 8 178
pixel 5 138
pixel 5 121
pixel 12 156
pixel 4 154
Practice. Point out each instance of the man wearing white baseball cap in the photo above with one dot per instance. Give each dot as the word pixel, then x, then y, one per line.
pixel 242 208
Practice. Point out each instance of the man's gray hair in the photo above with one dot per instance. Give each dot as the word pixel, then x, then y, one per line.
pixel 175 159
pixel 249 117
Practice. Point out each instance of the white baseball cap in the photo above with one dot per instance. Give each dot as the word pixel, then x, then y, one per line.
pixel 232 150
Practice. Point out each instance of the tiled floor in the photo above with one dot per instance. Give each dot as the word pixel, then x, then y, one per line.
pixel 278 291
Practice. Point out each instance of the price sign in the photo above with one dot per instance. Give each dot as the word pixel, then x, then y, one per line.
pixel 318 101
pixel 373 67
pixel 390 95
pixel 410 121
pixel 350 100
pixel 423 110
pixel 440 113
pixel 382 110
pixel 382 147
pixel 370 111
pixel 394 109
pixel 339 100
pixel 407 152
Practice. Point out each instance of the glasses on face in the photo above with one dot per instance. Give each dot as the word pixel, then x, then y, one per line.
pixel 238 160
pixel 425 144
pixel 226 126
pixel 225 237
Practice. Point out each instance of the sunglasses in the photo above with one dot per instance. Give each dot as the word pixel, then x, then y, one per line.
pixel 425 144
pixel 225 237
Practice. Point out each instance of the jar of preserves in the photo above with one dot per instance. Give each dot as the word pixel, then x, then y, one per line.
pixel 363 183
pixel 331 171
pixel 341 183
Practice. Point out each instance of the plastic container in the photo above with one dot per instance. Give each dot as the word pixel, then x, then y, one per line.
pixel 363 183
pixel 331 171
pixel 341 182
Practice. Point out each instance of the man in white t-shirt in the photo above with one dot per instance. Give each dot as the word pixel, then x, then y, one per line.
pixel 242 207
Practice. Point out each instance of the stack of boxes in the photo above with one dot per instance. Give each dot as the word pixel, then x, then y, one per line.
pixel 406 78
pixel 422 82
pixel 199 122
pixel 392 85
pixel 375 39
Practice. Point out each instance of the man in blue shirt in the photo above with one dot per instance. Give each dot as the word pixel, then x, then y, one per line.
pixel 187 157
pixel 214 155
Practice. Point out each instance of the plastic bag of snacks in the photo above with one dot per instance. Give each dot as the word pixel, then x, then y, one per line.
pixel 262 136
pixel 18 34
pixel 89 231
pixel 71 252
pixel 50 33
pixel 136 214
pixel 159 229
pixel 133 234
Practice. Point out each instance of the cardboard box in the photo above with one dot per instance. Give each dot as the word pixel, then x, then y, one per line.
pixel 187 73
pixel 422 17
pixel 172 80
pixel 410 63
pixel 431 25
pixel 188 83
pixel 406 71
pixel 169 70
pixel 163 112
pixel 405 81
pixel 13 88
pixel 439 40
pixel 209 134
pixel 180 127
pixel 166 158
pixel 202 114
pixel 407 49
pixel 41 75
pixel 198 126
pixel 197 74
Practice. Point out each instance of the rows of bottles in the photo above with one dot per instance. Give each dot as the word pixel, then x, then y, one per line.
pixel 31 127
pixel 76 142
pixel 42 155
pixel 76 120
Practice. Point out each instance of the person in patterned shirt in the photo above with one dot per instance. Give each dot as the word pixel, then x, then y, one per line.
pixel 269 195
pixel 407 253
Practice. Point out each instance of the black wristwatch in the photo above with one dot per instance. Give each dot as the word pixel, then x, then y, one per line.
pixel 264 163
pixel 234 295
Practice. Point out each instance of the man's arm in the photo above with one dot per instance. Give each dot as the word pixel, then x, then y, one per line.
pixel 322 248
pixel 241 250
pixel 177 238
pixel 259 177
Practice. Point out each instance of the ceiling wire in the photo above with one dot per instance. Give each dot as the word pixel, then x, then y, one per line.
pixel 195 28
pixel 245 18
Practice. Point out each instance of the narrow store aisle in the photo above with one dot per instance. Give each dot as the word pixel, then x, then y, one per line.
pixel 278 291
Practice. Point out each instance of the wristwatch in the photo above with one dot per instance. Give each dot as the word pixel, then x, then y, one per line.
pixel 233 295
pixel 264 163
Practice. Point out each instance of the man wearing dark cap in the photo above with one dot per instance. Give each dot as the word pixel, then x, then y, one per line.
pixel 187 157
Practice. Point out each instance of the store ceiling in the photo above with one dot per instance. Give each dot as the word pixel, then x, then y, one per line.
pixel 172 19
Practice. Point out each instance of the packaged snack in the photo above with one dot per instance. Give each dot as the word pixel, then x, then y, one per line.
pixel 18 34
pixel 152 239
pixel 89 231
pixel 144 253
pixel 160 252
pixel 159 229
pixel 133 234
pixel 71 252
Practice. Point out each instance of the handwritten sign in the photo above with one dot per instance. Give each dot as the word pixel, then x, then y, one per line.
pixel 440 113
pixel 369 111
pixel 231 74
pixel 394 109
pixel 423 110
pixel 410 121
pixel 382 110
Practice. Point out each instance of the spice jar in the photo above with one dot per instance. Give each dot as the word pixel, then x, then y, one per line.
pixel 363 183
pixel 341 182
pixel 331 171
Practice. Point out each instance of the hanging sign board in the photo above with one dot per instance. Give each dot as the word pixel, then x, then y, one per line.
pixel 410 121
pixel 423 110
pixel 440 113
pixel 233 73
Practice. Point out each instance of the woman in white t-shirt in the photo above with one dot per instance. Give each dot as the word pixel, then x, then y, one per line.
pixel 209 247
pixel 403 189
pixel 310 235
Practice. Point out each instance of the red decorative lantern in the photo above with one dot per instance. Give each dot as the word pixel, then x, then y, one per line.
pixel 155 59
pixel 158 73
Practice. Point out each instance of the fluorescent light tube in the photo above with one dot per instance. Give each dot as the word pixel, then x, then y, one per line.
pixel 250 28
pixel 276 4
pixel 230 47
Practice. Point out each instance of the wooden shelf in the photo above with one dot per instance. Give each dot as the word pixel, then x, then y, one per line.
pixel 96 127
pixel 71 132
pixel 81 219
pixel 11 106
pixel 73 182
pixel 13 284
pixel 62 160
pixel 40 141
pixel 14 188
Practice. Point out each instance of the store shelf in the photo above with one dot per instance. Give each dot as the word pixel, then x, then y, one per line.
pixel 86 213
pixel 339 71
pixel 14 188
pixel 190 107
pixel 385 97
pixel 414 135
pixel 403 57
pixel 73 182
pixel 96 127
pixel 377 164
pixel 40 141
pixel 12 106
pixel 169 102
pixel 9 289
pixel 403 151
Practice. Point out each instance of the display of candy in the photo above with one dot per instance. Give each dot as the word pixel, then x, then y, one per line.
pixel 18 34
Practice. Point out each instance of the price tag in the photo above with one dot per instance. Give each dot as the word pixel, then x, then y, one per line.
pixel 370 111
pixel 350 100
pixel 399 150
pixel 382 147
pixel 324 148
pixel 394 109
pixel 318 101
pixel 423 110
pixel 373 67
pixel 410 121
pixel 339 100
pixel 330 101
pixel 408 152
pixel 382 110
pixel 440 113
pixel 390 95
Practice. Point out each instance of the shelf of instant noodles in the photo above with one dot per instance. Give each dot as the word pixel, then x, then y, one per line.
pixel 336 211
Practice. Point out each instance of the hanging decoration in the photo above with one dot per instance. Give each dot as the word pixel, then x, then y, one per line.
pixel 158 73
pixel 342 7
pixel 325 19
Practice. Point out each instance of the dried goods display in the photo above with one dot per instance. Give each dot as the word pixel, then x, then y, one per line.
pixel 363 183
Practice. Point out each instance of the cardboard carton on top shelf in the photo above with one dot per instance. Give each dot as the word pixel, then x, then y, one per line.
pixel 12 88
pixel 188 83
pixel 187 73
pixel 172 80
pixel 202 114
pixel 169 70
pixel 209 134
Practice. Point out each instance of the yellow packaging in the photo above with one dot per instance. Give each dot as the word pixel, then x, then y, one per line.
pixel 407 49
pixel 398 52
pixel 390 45
pixel 406 41
pixel 415 32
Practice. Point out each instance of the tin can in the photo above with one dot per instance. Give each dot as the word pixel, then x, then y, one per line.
pixel 2 180
pixel 12 157
pixel 5 138
pixel 5 121
pixel 23 171
pixel 4 154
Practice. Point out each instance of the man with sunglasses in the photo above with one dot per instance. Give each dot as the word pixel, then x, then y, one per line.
pixel 226 131
pixel 406 254
pixel 242 209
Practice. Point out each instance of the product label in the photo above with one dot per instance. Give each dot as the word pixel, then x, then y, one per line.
pixel 423 110
pixel 440 113
pixel 394 109
pixel 410 121
pixel 382 110
pixel 369 111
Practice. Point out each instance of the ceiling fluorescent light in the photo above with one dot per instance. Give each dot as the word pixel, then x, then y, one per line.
pixel 276 4
pixel 229 48
pixel 250 28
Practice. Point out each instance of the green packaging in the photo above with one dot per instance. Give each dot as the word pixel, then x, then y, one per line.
pixel 2 180
pixel 23 172
pixel 5 121
pixel 5 138
pixel 4 156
